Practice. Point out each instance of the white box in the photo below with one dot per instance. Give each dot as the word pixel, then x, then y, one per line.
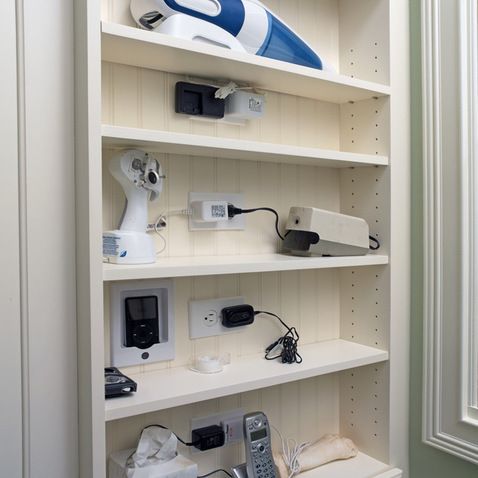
pixel 179 467
pixel 244 105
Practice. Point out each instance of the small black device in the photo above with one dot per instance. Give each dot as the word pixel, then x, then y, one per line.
pixel 207 438
pixel 141 322
pixel 257 440
pixel 198 100
pixel 117 384
pixel 237 316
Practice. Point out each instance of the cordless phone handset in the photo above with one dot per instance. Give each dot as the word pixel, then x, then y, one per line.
pixel 259 460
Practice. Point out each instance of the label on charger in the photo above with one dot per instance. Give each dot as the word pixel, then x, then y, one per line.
pixel 218 210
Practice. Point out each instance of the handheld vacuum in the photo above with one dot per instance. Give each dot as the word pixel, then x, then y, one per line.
pixel 248 23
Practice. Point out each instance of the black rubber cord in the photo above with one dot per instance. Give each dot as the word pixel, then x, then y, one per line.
pixel 288 342
pixel 179 439
pixel 215 471
pixel 377 244
pixel 235 211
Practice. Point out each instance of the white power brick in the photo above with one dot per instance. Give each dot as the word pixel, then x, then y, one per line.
pixel 209 211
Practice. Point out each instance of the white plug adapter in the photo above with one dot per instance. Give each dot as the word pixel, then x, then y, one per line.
pixel 233 429
pixel 209 211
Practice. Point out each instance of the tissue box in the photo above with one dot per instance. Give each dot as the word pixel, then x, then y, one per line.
pixel 179 467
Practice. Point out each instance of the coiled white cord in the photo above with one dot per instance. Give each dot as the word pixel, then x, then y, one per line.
pixel 161 223
pixel 291 451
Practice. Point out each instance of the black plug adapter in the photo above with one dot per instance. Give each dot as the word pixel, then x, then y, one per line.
pixel 208 438
pixel 237 316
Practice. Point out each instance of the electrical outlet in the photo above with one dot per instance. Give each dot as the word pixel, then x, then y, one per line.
pixel 236 223
pixel 231 422
pixel 205 318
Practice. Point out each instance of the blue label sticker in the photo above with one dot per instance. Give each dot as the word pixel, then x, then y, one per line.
pixel 123 254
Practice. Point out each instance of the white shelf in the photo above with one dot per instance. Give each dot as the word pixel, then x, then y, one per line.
pixel 199 145
pixel 361 466
pixel 180 386
pixel 136 47
pixel 237 264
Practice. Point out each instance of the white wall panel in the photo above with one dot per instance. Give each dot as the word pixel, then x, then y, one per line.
pixel 10 319
pixel 49 194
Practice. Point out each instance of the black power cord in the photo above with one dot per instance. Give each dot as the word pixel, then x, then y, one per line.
pixel 376 247
pixel 288 342
pixel 215 471
pixel 179 439
pixel 236 211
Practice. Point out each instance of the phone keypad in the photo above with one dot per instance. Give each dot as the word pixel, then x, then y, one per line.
pixel 263 463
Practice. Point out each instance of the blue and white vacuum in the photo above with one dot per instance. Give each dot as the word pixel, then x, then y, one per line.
pixel 243 25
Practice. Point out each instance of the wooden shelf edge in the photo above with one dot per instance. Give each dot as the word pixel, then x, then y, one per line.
pixel 229 148
pixel 361 466
pixel 133 46
pixel 174 387
pixel 237 264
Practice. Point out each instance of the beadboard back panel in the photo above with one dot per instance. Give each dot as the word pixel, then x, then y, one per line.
pixel 142 98
pixel 303 410
pixel 279 186
pixel 308 300
pixel 352 403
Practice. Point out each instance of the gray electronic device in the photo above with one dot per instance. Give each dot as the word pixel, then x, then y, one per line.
pixel 257 440
pixel 142 322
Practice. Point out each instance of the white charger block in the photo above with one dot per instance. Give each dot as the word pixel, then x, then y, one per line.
pixel 209 211
pixel 243 105
pixel 179 467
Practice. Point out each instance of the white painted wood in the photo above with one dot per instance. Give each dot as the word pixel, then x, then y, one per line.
pixel 11 433
pixel 238 264
pixel 199 145
pixel 175 387
pixel 448 150
pixel 132 46
pixel 469 146
pixel 47 237
pixel 400 234
pixel 88 174
pixel 365 52
pixel 362 466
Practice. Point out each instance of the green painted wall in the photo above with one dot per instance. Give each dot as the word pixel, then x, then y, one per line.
pixel 425 461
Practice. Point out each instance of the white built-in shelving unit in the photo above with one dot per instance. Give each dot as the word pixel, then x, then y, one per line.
pixel 337 141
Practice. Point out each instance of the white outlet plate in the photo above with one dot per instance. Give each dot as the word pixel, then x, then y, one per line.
pixel 234 417
pixel 237 223
pixel 201 317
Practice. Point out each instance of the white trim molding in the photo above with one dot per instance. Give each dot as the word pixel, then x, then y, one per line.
pixel 469 158
pixel 450 395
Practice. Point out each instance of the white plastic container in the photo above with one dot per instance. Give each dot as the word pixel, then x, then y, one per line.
pixel 244 105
